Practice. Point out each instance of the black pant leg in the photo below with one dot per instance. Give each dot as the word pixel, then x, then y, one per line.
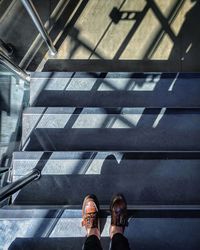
pixel 119 242
pixel 92 243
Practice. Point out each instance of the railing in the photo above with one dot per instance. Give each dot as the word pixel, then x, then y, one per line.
pixel 38 23
pixel 5 52
pixel 44 34
pixel 12 188
pixel 3 170
pixel 4 60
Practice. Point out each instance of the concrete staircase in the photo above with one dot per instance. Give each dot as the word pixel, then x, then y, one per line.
pixel 104 133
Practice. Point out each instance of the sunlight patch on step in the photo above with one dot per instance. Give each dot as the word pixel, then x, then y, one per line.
pixel 63 163
pixel 54 121
pixel 81 84
pixel 114 121
pixel 112 84
pixel 96 166
pixel 62 167
pixel 40 84
pixel 128 120
pixel 159 117
pixel 149 84
pixel 173 83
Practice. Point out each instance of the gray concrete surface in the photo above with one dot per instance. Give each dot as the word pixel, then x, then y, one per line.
pixel 153 34
pixel 162 32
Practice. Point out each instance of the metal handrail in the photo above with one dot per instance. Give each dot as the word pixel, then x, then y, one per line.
pixel 12 188
pixel 39 25
pixel 14 68
pixel 3 170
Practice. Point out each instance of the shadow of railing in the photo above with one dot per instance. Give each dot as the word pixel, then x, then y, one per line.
pixel 184 47
pixel 147 90
pixel 61 26
pixel 184 55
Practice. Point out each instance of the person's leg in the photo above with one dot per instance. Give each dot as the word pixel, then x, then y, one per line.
pixel 119 242
pixel 119 221
pixel 90 219
pixel 92 243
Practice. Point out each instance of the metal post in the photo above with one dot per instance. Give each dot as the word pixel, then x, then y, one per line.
pixel 12 188
pixel 38 23
pixel 14 68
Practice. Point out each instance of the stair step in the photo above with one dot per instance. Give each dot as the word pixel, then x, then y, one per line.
pixel 115 89
pixel 58 228
pixel 104 133
pixel 74 162
pixel 150 180
pixel 128 129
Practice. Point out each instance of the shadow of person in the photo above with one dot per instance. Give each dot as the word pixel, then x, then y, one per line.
pixel 187 45
pixel 127 173
pixel 117 166
pixel 109 166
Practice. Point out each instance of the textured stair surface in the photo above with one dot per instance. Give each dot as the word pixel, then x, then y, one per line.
pixel 60 229
pixel 58 129
pixel 115 90
pixel 166 179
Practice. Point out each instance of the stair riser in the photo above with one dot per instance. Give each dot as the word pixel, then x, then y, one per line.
pixel 158 139
pixel 141 188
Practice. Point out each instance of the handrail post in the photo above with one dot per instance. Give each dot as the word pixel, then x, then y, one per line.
pixel 13 187
pixel 39 25
pixel 14 68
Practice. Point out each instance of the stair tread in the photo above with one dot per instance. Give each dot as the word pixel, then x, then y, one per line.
pixel 140 189
pixel 78 163
pixel 51 228
pixel 115 89
pixel 146 178
pixel 135 129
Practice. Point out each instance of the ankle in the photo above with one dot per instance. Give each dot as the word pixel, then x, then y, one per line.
pixel 115 229
pixel 93 231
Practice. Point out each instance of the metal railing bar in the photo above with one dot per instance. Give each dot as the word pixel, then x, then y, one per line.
pixel 4 60
pixel 12 188
pixel 39 25
pixel 3 170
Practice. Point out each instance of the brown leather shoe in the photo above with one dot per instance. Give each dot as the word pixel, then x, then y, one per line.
pixel 90 212
pixel 118 208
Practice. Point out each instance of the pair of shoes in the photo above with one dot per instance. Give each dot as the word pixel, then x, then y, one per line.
pixel 90 212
